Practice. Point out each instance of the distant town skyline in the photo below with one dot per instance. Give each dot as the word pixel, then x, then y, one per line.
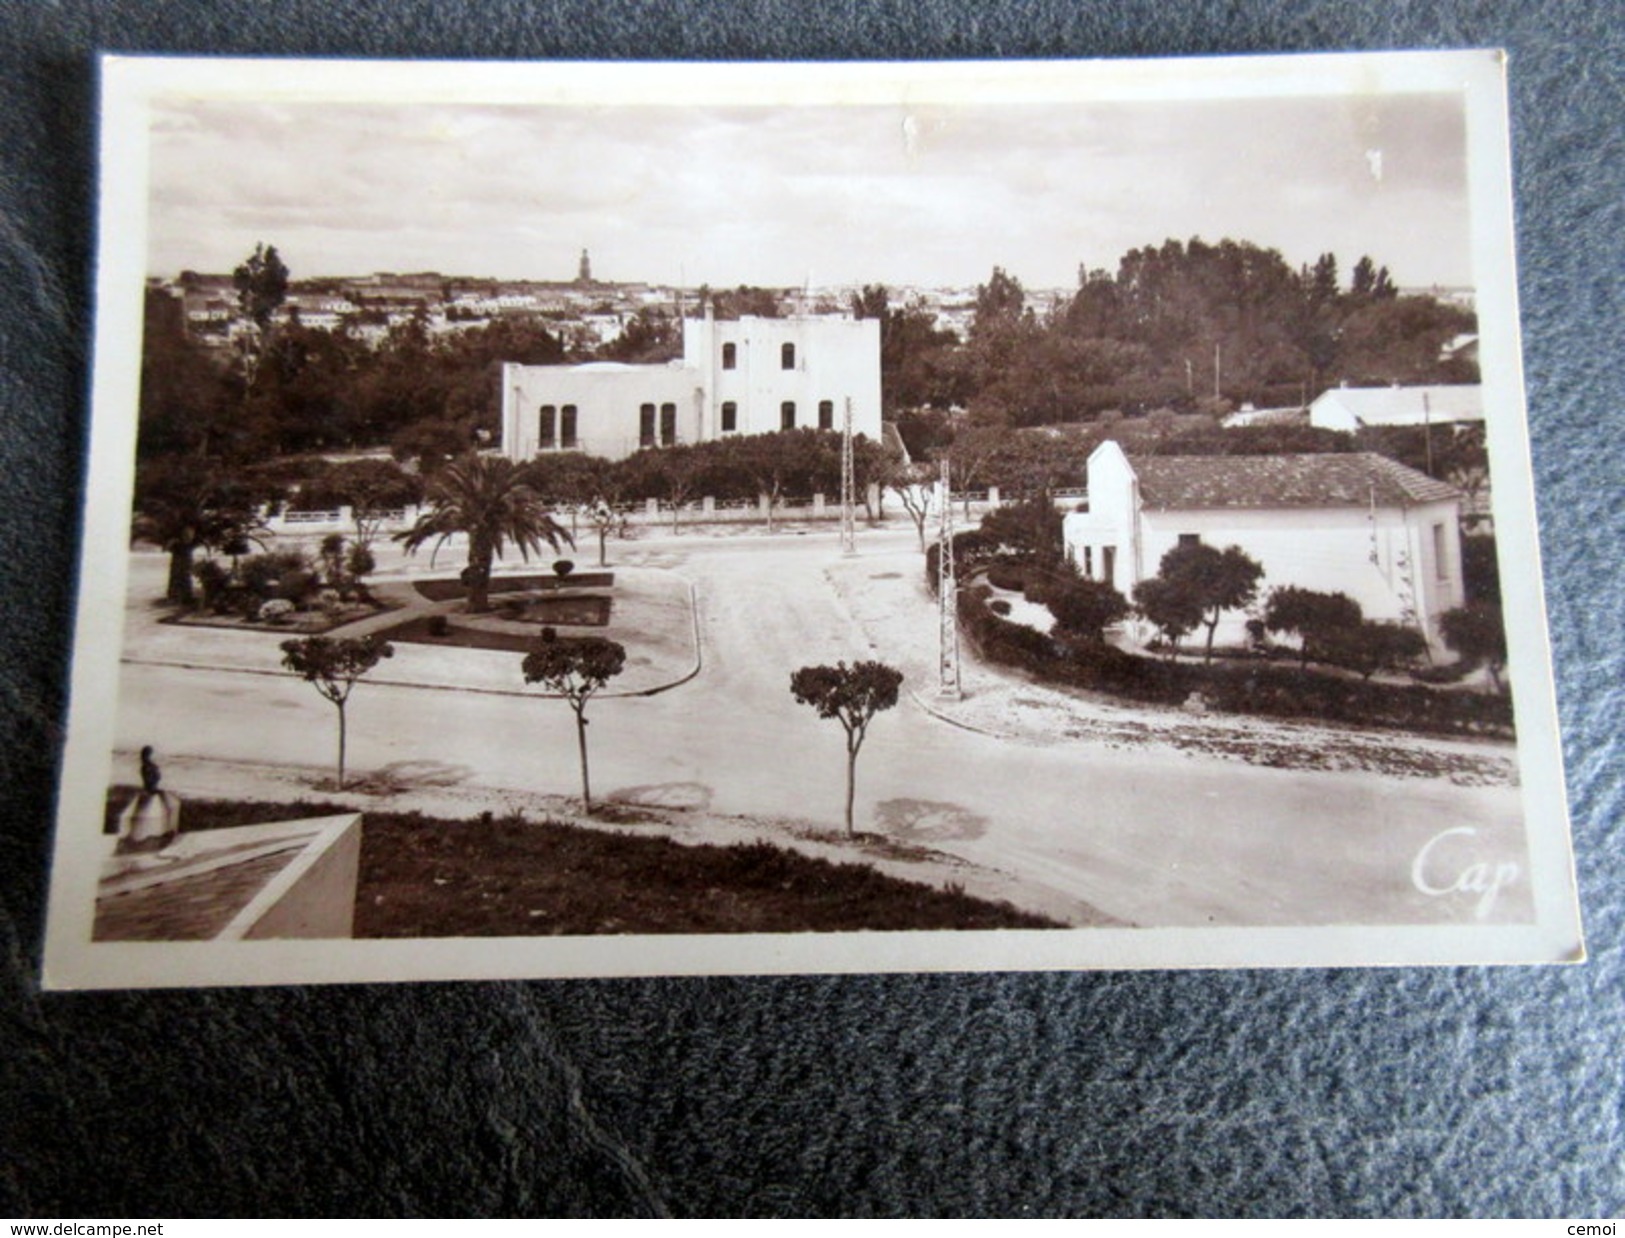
pixel 932 196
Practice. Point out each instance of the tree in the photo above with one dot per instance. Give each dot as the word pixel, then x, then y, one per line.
pixel 184 504
pixel 1215 580
pixel 913 485
pixel 1030 530
pixel 490 499
pixel 852 695
pixel 575 670
pixel 1477 632
pixel 335 666
pixel 1319 620
pixel 1170 607
pixel 1085 608
pixel 372 489
pixel 262 286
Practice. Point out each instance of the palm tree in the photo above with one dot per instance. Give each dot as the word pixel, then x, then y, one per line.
pixel 490 499
pixel 184 504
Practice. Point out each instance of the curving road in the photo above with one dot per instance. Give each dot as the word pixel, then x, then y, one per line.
pixel 1150 839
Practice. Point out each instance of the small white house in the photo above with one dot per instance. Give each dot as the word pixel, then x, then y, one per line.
pixel 750 376
pixel 1355 523
pixel 1350 408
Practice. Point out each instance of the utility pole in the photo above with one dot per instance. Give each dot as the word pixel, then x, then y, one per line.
pixel 1427 431
pixel 849 530
pixel 948 683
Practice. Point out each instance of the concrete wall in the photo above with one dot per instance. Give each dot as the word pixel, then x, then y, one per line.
pixel 314 896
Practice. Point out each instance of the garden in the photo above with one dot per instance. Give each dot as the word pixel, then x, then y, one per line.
pixel 1022 608
pixel 285 589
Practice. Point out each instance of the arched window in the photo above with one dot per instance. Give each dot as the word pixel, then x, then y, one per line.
pixel 787 415
pixel 567 427
pixel 646 425
pixel 730 356
pixel 826 414
pixel 730 416
pixel 545 428
pixel 668 424
pixel 787 356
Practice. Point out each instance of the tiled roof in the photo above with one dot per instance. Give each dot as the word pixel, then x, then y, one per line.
pixel 1345 479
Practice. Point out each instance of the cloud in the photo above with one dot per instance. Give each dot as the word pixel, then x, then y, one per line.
pixel 765 195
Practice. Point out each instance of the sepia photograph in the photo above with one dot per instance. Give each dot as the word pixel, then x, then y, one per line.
pixel 602 520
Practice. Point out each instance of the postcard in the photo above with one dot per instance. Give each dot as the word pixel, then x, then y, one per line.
pixel 573 519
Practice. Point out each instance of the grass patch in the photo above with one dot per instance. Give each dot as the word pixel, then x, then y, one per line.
pixel 422 877
pixel 455 590
pixel 419 632
pixel 510 877
pixel 589 611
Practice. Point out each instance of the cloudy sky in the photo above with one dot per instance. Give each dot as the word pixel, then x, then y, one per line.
pixel 932 195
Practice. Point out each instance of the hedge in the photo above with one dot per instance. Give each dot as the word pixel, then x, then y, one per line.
pixel 1247 687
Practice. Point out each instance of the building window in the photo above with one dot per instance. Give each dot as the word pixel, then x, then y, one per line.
pixel 826 414
pixel 1089 562
pixel 787 356
pixel 1108 563
pixel 544 428
pixel 787 415
pixel 668 424
pixel 646 426
pixel 730 416
pixel 567 428
pixel 1190 539
pixel 1441 558
pixel 730 356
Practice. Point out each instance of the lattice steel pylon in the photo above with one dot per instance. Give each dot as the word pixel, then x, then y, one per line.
pixel 948 684
pixel 849 526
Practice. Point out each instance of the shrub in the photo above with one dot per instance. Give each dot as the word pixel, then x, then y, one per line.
pixel 276 610
pixel 296 585
pixel 438 626
pixel 212 581
pixel 999 606
pixel 1011 577
pixel 330 603
pixel 1373 646
pixel 1085 608
pixel 563 567
pixel 261 575
pixel 1321 621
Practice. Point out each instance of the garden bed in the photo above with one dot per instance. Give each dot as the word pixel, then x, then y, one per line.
pixel 452 590
pixel 422 631
pixel 297 623
pixel 586 611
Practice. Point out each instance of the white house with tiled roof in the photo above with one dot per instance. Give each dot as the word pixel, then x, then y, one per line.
pixel 1355 523
pixel 1350 408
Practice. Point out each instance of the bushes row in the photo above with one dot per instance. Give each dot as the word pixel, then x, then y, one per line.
pixel 1242 687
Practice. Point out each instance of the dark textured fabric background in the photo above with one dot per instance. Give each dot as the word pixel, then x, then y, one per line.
pixel 1443 1092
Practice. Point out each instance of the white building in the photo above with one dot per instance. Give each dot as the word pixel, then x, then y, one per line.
pixel 1354 523
pixel 750 376
pixel 1349 408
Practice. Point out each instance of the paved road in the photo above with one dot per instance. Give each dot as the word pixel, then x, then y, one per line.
pixel 1150 839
